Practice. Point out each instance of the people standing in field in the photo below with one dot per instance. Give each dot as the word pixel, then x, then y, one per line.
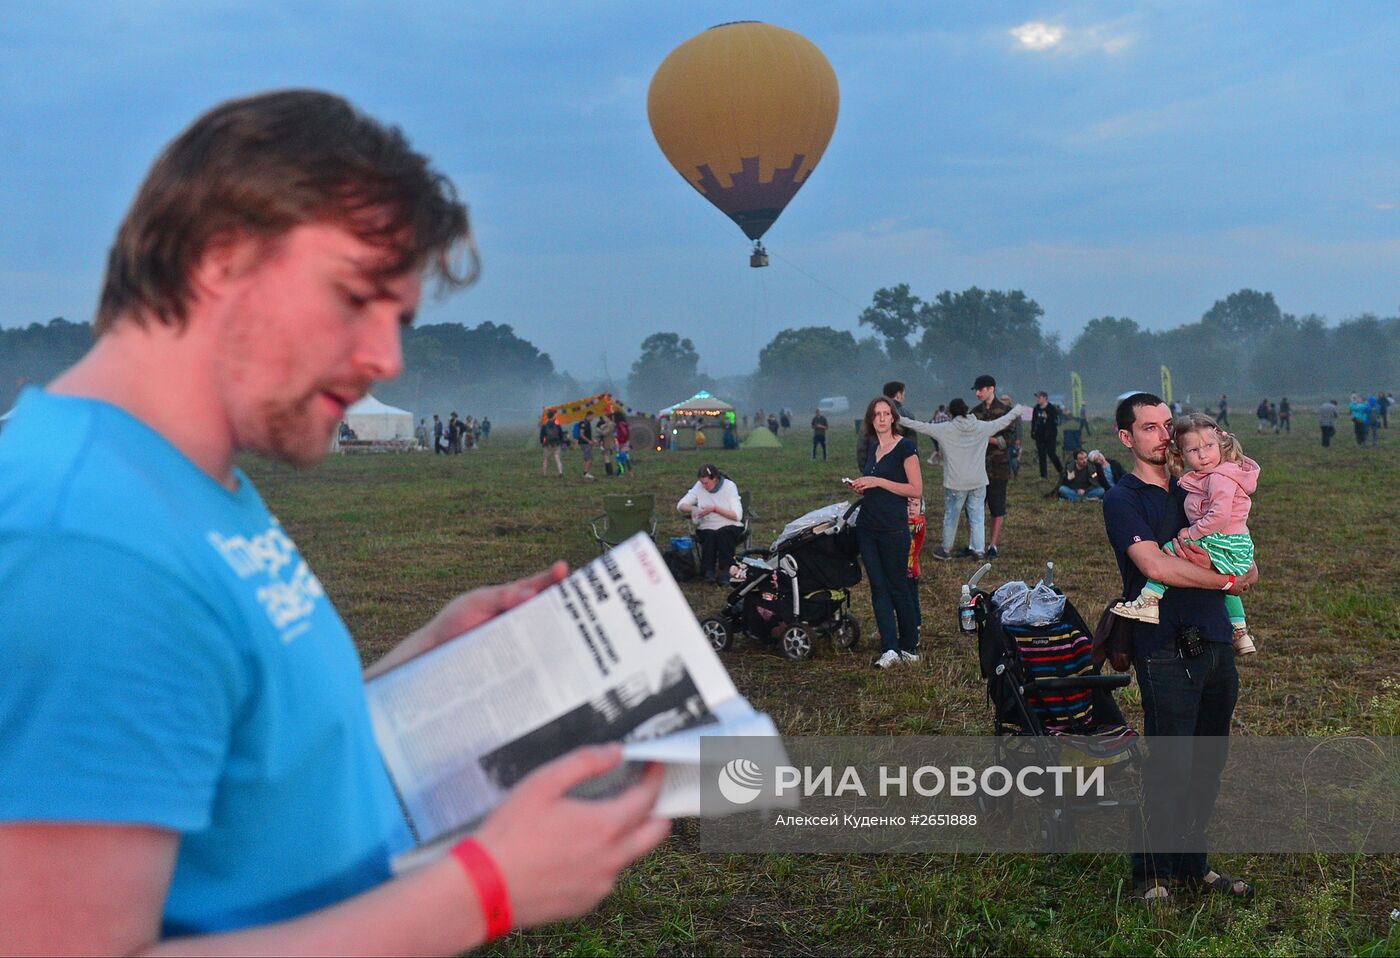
pixel 586 443
pixel 1185 663
pixel 439 444
pixel 819 427
pixel 1285 416
pixel 939 415
pixel 918 531
pixel 1045 427
pixel 1224 416
pixel 1327 420
pixel 193 768
pixel 1360 411
pixel 605 433
pixel 1013 452
pixel 990 407
pixel 622 434
pixel 963 439
pixel 552 442
pixel 889 479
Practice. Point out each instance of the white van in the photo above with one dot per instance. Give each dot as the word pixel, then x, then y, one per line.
pixel 833 405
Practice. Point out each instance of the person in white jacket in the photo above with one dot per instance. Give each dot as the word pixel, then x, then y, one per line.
pixel 715 507
pixel 963 440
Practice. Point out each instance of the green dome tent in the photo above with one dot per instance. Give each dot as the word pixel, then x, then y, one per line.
pixel 761 438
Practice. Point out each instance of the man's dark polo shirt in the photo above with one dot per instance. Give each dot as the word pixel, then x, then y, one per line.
pixel 1136 511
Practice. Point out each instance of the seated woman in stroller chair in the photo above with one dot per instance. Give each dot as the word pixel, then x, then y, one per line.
pixel 714 506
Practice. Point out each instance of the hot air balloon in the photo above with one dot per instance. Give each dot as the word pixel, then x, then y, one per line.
pixel 744 111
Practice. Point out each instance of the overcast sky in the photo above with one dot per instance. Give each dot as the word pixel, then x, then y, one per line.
pixel 1108 158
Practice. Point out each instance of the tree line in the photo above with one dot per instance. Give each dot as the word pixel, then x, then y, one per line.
pixel 486 369
pixel 1243 345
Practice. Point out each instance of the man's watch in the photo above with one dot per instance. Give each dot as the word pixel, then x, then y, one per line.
pixel 1229 583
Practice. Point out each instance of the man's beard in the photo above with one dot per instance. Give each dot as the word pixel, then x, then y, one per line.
pixel 288 433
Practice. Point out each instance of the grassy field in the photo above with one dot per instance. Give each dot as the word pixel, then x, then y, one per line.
pixel 394 537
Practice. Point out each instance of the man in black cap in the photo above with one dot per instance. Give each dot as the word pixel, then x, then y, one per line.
pixel 1045 427
pixel 989 407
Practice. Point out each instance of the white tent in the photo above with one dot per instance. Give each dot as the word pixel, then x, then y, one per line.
pixel 372 420
pixel 701 404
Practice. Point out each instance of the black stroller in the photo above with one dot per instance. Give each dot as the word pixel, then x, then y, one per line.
pixel 1051 706
pixel 797 589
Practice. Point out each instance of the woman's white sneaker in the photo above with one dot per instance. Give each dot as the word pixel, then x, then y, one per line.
pixel 887 660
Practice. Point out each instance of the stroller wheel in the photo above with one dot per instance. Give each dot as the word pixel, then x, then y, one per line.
pixel 797 643
pixel 847 635
pixel 718 633
pixel 997 809
pixel 1057 831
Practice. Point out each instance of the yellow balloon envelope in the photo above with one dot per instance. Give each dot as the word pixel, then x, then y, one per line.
pixel 744 111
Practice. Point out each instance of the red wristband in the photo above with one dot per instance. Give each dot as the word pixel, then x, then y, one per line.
pixel 1229 583
pixel 490 885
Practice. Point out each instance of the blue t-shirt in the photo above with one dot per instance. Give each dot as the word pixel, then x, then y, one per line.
pixel 1136 511
pixel 880 509
pixel 168 659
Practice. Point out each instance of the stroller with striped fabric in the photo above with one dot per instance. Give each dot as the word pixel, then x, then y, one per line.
pixel 1051 706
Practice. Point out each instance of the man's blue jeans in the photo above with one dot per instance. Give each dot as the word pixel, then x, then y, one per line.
pixel 974 502
pixel 885 556
pixel 1093 492
pixel 1186 705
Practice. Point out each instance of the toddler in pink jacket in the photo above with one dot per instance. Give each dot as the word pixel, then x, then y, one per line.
pixel 1219 480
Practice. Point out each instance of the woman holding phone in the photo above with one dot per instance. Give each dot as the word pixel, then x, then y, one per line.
pixel 890 477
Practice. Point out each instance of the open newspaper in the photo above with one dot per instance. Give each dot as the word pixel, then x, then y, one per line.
pixel 612 653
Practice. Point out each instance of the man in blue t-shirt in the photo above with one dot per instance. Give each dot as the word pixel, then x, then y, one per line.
pixel 186 756
pixel 1185 662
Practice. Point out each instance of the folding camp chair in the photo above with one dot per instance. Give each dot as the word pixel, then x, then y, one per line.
pixel 623 517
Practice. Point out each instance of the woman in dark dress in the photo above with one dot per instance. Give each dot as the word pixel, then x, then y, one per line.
pixel 890 478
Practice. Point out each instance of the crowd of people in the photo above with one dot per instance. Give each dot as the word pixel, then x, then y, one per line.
pixel 776 421
pixel 1369 414
pixel 454 436
pixel 977 446
pixel 610 434
pixel 1176 518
